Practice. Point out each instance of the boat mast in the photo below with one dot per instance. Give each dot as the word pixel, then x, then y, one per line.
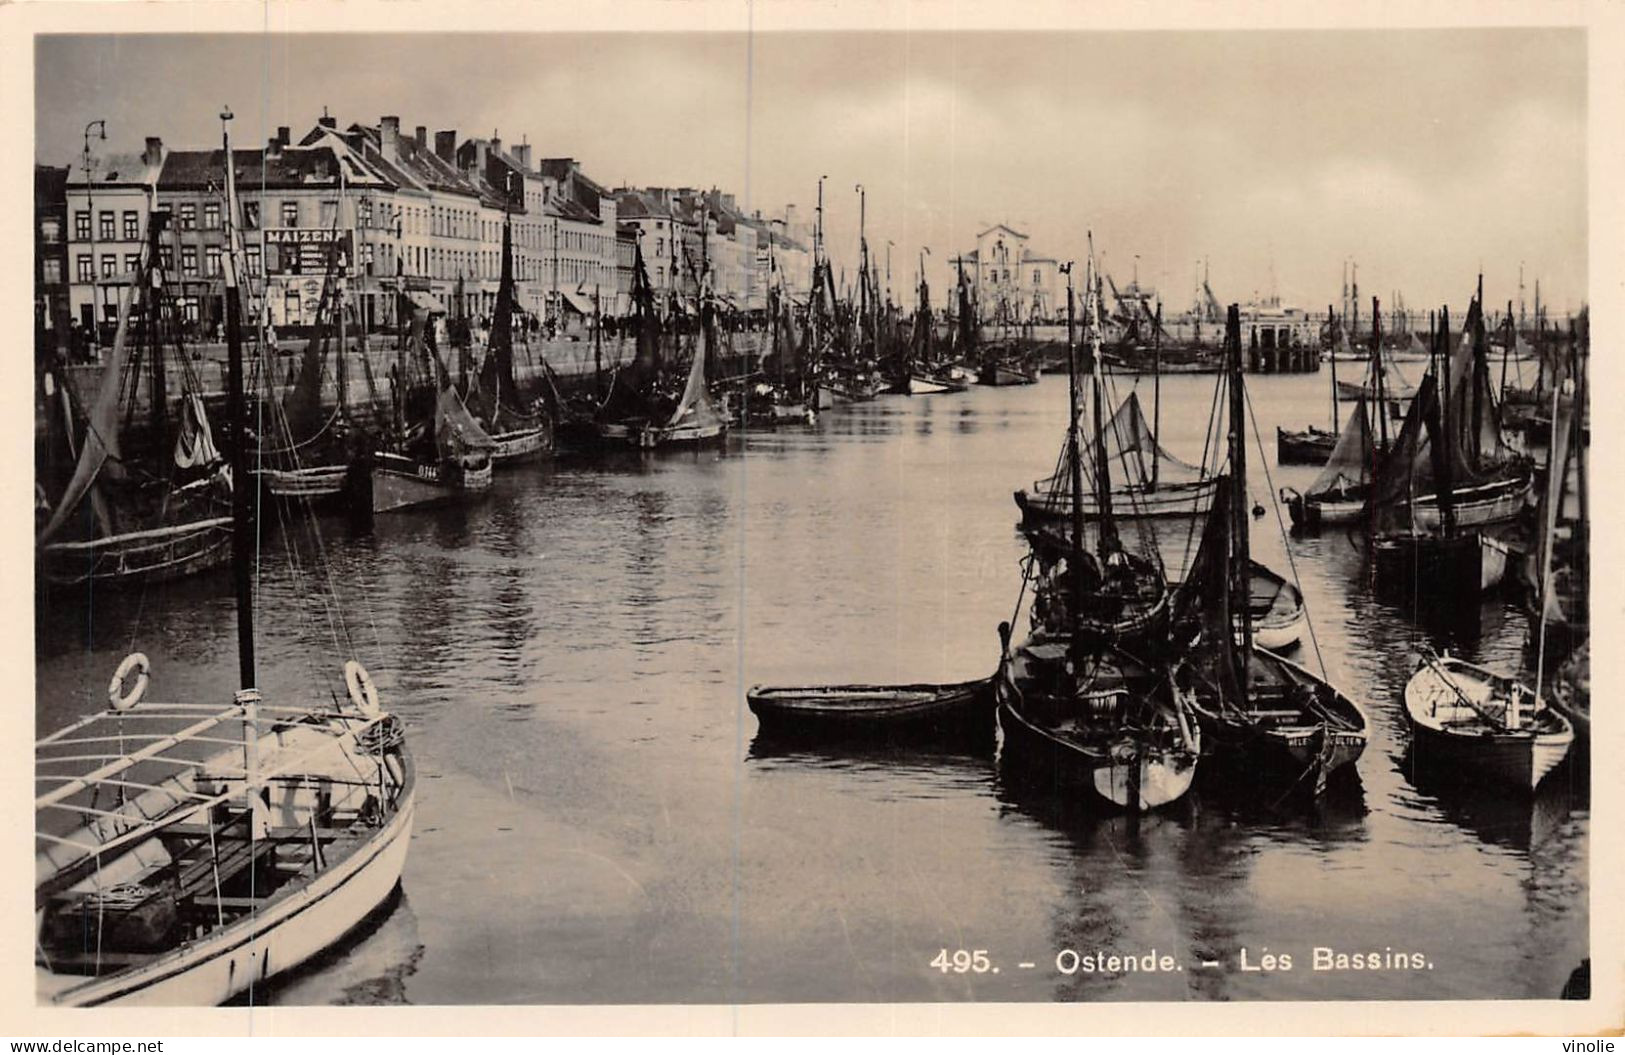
pixel 1481 365
pixel 242 551
pixel 1156 394
pixel 1330 325
pixel 343 288
pixel 1075 459
pixel 1447 503
pixel 1381 376
pixel 1103 478
pixel 1239 573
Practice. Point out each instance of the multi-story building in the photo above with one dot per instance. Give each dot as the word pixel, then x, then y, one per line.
pixel 53 331
pixel 650 217
pixel 107 205
pixel 1011 281
pixel 584 217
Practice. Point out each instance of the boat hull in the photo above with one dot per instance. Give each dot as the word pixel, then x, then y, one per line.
pixel 1303 448
pixel 1262 739
pixel 1467 565
pixel 1496 503
pixel 139 558
pixel 1193 499
pixel 399 483
pixel 661 437
pixel 521 445
pixel 1514 759
pixel 888 713
pixel 1110 781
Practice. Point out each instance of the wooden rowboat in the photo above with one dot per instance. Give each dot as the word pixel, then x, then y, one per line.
pixel 925 712
pixel 1473 722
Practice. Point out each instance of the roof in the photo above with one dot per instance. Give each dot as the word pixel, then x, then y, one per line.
pixel 1000 227
pixel 116 168
pixel 1030 257
pixel 290 168
pixel 420 168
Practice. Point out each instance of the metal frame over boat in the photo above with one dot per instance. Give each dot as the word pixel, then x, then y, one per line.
pixel 198 877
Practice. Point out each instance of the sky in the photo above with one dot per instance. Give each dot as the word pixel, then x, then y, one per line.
pixel 1274 156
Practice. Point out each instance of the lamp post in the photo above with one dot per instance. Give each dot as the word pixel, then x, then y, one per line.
pixel 100 125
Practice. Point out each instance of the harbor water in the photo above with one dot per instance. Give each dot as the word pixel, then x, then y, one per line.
pixel 596 822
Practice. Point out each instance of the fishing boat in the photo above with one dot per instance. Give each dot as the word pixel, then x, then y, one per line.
pixel 1449 476
pixel 1261 710
pixel 148 500
pixel 1074 705
pixel 519 424
pixel 187 852
pixel 1275 608
pixel 320 453
pixel 1150 482
pixel 1340 491
pixel 790 396
pixel 440 454
pixel 894 713
pixel 1311 446
pixel 1471 722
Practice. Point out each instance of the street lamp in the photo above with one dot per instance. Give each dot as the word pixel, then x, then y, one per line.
pixel 100 124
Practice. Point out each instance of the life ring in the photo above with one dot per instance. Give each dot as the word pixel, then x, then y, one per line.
pixel 362 691
pixel 137 663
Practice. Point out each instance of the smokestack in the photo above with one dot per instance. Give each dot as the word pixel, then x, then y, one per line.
pixel 422 138
pixel 154 152
pixel 389 136
pixel 445 146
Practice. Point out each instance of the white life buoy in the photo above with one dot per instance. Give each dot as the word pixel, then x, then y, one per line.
pixel 362 691
pixel 136 663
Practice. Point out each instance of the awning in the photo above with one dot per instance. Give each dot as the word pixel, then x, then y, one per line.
pixel 583 305
pixel 427 301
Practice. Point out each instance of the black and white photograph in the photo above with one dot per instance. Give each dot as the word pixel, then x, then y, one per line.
pixel 727 509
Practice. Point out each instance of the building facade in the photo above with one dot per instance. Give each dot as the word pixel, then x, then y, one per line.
pixel 1011 281
pixel 53 318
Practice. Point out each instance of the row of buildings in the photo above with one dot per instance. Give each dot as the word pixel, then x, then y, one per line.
pixel 409 214
pixel 422 216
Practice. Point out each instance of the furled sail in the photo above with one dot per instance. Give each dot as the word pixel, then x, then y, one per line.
pixel 1131 450
pixel 1351 459
pixel 101 432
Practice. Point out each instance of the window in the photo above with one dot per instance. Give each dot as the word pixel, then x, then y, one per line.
pixel 188 216
pixel 189 261
pixel 1035 276
pixel 363 213
pixel 110 313
pixel 109 265
pixel 166 257
pixel 211 216
pixel 329 213
pixel 251 215
pixel 211 261
pixel 132 262
pixel 50 229
pixel 189 309
pixel 51 274
pixel 367 257
pixel 104 226
pixel 81 225
pixel 85 270
pixel 251 257
pixel 290 214
pixel 132 225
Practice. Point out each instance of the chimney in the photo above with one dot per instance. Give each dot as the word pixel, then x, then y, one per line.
pixel 481 151
pixel 273 147
pixel 282 135
pixel 389 135
pixel 445 146
pixel 422 138
pixel 154 153
pixel 521 154
pixel 327 121
pixel 496 145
